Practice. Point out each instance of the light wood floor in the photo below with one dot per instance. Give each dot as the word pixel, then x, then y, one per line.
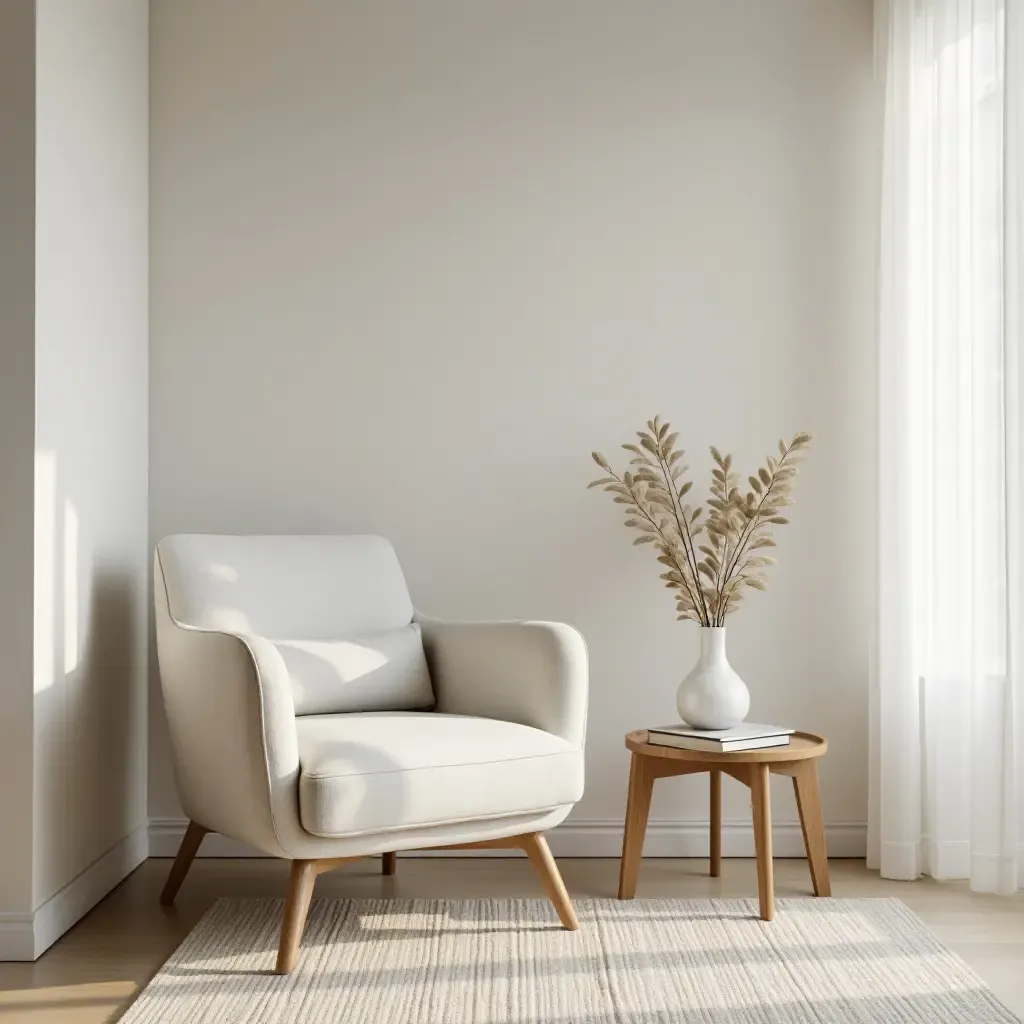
pixel 95 971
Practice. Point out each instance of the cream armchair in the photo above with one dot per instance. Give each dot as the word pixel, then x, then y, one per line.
pixel 315 716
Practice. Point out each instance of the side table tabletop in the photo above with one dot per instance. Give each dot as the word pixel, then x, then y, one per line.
pixel 753 768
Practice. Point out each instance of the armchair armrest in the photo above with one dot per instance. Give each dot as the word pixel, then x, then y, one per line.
pixel 532 673
pixel 231 717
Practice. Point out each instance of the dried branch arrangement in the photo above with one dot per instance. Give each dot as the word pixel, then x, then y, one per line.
pixel 714 555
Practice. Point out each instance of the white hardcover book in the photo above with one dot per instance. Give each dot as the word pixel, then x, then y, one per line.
pixel 718 746
pixel 745 736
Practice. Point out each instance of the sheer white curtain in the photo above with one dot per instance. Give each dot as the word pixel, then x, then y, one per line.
pixel 947 702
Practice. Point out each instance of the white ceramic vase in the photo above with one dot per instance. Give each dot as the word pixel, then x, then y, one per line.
pixel 712 696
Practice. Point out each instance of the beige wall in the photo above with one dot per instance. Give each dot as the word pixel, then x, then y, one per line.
pixel 91 595
pixel 73 458
pixel 17 416
pixel 412 262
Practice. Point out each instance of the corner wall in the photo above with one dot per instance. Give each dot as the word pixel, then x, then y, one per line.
pixel 92 432
pixel 79 712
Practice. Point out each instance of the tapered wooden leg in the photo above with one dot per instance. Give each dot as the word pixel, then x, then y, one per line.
pixel 390 862
pixel 186 854
pixel 763 839
pixel 536 847
pixel 716 823
pixel 808 802
pixel 638 805
pixel 300 892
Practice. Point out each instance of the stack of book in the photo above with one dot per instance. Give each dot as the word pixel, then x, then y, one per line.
pixel 746 736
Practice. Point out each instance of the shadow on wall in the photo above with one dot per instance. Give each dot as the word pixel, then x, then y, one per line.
pixel 89 700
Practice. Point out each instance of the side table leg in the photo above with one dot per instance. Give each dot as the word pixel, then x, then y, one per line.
pixel 759 777
pixel 641 785
pixel 716 823
pixel 808 802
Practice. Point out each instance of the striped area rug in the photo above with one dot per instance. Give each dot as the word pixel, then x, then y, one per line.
pixel 508 962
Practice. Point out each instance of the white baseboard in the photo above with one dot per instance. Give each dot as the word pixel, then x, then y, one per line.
pixel 28 936
pixel 582 839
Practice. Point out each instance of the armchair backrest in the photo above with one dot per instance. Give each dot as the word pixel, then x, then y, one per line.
pixel 308 587
pixel 335 608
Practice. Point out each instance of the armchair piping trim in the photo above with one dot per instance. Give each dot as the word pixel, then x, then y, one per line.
pixel 437 767
pixel 399 829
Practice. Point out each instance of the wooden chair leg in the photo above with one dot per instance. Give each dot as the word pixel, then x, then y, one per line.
pixel 808 802
pixel 186 854
pixel 716 823
pixel 300 892
pixel 537 850
pixel 759 780
pixel 638 805
pixel 390 862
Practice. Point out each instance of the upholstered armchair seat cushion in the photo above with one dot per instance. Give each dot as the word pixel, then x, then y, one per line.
pixel 378 772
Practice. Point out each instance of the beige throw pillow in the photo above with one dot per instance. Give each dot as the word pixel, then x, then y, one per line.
pixel 370 672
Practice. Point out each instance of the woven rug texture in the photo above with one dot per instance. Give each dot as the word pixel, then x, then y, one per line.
pixel 507 961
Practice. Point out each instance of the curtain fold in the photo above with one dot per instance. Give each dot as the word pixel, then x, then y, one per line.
pixel 947 729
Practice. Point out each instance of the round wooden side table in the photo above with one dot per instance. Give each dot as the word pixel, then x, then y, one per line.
pixel 752 768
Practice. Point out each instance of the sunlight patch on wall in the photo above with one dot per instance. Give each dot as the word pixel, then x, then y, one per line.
pixel 70 587
pixel 45 543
